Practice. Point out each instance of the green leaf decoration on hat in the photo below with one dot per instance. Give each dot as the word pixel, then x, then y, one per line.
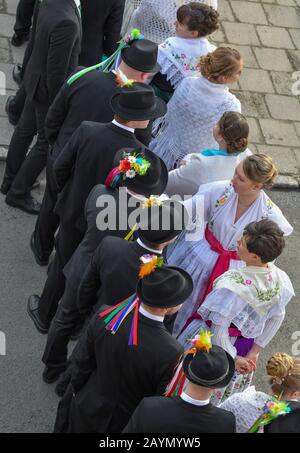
pixel 106 65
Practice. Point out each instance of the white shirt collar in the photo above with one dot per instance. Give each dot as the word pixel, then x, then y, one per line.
pixel 150 315
pixel 156 252
pixel 130 129
pixel 78 4
pixel 190 400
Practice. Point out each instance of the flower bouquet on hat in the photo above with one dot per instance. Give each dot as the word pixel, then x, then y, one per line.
pixel 201 342
pixel 159 286
pixel 272 409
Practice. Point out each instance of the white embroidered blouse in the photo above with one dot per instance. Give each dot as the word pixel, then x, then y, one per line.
pixel 180 57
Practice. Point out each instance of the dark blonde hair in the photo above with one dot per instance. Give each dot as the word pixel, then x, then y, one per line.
pixel 284 372
pixel 260 168
pixel 199 17
pixel 234 129
pixel 223 61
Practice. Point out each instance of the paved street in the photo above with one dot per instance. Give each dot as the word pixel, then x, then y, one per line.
pixel 268 34
pixel 27 404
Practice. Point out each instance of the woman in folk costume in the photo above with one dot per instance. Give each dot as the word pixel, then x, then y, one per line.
pixel 179 56
pixel 156 18
pixel 197 105
pixel 231 133
pixel 283 371
pixel 228 208
pixel 246 306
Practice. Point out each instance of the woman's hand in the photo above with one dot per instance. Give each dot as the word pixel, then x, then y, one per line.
pixel 244 365
pixel 253 357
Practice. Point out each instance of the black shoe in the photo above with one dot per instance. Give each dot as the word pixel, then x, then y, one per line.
pixel 27 204
pixel 12 118
pixel 51 375
pixel 17 73
pixel 18 40
pixel 6 185
pixel 32 310
pixel 63 382
pixel 41 260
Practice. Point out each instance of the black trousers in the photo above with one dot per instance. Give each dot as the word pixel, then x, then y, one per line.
pixel 47 222
pixel 21 169
pixel 63 325
pixel 24 17
pixel 17 104
pixel 67 240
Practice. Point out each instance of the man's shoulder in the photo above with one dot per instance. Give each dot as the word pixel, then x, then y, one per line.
pixel 154 403
pixel 92 129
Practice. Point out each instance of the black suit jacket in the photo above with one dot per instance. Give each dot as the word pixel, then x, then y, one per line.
pixel 55 50
pixel 84 162
pixel 112 274
pixel 81 258
pixel 87 99
pixel 110 378
pixel 101 24
pixel 174 415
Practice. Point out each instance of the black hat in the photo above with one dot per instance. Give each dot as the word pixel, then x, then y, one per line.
pixel 288 423
pixel 213 369
pixel 142 56
pixel 162 223
pixel 166 287
pixel 154 181
pixel 137 102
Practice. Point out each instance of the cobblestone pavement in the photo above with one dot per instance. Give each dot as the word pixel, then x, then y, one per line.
pixel 267 33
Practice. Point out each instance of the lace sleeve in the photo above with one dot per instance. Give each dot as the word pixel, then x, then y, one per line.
pixel 221 338
pixel 272 325
pixel 246 406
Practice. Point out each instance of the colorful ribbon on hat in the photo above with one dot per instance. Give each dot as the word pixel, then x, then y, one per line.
pixel 107 64
pixel 114 317
pixel 201 342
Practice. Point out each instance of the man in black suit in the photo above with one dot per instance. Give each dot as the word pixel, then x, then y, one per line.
pixel 155 181
pixel 22 25
pixel 191 412
pixel 111 275
pixel 55 54
pixel 15 104
pixel 110 376
pixel 101 24
pixel 84 162
pixel 88 99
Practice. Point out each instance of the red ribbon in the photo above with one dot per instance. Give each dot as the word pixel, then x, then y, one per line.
pixel 221 266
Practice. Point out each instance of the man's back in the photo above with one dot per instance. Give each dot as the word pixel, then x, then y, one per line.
pixel 120 375
pixel 84 162
pixel 56 48
pixel 174 415
pixel 87 99
pixel 94 235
